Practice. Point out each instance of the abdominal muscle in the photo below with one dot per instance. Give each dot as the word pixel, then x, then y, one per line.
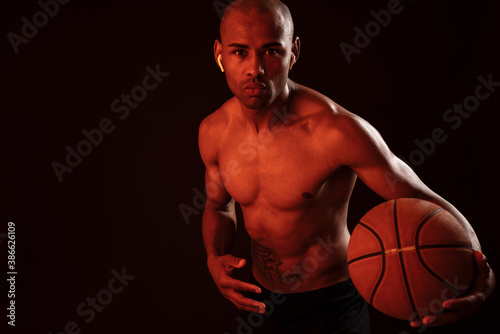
pixel 296 255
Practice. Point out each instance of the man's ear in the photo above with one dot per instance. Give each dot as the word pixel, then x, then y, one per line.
pixel 218 54
pixel 295 51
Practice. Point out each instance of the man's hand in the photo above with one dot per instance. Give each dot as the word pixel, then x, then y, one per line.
pixel 481 289
pixel 221 268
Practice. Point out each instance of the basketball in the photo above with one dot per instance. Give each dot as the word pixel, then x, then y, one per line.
pixel 407 256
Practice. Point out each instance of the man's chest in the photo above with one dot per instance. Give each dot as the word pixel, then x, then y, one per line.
pixel 281 170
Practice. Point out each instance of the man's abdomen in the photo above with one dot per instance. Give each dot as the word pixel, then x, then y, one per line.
pixel 300 267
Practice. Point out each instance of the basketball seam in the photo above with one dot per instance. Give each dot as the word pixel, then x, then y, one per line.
pixel 436 246
pixel 443 246
pixel 367 256
pixel 401 260
pixel 420 258
pixel 382 252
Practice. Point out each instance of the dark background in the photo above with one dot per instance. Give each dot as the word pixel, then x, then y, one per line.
pixel 119 207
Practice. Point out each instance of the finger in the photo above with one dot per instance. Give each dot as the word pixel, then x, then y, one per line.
pixel 480 258
pixel 249 309
pixel 244 286
pixel 245 303
pixel 231 261
pixel 428 321
pixel 484 281
pixel 241 263
pixel 418 323
pixel 231 283
pixel 443 318
pixel 481 264
pixel 465 303
pixel 438 319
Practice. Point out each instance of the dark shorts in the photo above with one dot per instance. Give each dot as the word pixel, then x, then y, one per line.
pixel 336 309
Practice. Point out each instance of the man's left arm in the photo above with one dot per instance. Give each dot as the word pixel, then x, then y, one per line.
pixel 368 155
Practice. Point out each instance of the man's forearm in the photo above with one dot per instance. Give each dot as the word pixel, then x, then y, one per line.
pixel 219 227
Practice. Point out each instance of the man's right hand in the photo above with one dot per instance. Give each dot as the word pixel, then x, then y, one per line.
pixel 221 268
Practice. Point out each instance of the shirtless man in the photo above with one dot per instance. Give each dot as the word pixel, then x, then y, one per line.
pixel 290 157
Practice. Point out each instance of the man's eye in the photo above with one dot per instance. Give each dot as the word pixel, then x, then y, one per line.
pixel 272 52
pixel 239 52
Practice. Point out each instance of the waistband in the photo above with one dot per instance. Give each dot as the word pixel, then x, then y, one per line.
pixel 330 291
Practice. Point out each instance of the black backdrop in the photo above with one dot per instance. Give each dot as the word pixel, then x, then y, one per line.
pixel 118 210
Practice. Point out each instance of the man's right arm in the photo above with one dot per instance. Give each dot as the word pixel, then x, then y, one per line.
pixel 219 227
pixel 219 219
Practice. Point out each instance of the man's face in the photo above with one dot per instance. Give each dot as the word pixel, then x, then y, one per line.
pixel 256 53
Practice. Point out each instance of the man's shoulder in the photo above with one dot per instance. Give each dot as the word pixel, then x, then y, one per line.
pixel 330 121
pixel 323 112
pixel 211 129
pixel 218 120
pixel 338 130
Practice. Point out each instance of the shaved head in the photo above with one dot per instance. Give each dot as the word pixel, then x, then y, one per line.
pixel 249 7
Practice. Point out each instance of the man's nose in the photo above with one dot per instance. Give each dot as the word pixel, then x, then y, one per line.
pixel 256 67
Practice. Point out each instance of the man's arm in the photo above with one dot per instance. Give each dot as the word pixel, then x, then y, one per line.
pixel 387 175
pixel 367 154
pixel 218 228
pixel 219 219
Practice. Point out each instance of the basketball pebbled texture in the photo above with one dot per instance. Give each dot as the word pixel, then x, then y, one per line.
pixel 407 256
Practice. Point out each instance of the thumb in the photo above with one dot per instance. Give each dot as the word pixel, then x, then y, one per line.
pixel 480 261
pixel 481 273
pixel 234 261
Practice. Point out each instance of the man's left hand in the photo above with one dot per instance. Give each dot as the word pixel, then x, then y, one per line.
pixel 456 309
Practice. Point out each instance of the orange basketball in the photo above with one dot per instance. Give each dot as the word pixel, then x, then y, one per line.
pixel 407 256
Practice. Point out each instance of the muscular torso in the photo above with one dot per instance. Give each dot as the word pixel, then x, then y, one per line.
pixel 293 198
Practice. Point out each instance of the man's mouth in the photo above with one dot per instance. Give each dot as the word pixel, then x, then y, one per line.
pixel 255 92
pixel 255 89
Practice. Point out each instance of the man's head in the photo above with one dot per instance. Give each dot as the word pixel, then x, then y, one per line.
pixel 257 49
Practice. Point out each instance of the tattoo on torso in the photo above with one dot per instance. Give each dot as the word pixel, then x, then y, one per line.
pixel 267 262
